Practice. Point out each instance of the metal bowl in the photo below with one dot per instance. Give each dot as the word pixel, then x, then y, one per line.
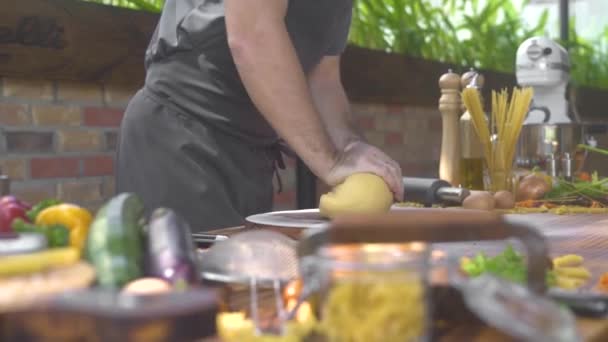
pixel 551 147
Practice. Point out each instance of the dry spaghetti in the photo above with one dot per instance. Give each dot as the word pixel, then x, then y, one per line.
pixel 499 138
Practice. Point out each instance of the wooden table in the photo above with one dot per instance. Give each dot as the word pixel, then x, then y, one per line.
pixel 583 234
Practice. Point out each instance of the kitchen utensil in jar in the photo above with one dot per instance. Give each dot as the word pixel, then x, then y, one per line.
pixel 256 259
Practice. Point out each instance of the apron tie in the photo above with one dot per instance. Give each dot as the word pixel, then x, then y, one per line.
pixel 280 148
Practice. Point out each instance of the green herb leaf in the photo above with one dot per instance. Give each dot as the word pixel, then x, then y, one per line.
pixel 508 265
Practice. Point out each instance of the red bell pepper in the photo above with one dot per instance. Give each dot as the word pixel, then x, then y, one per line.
pixel 10 209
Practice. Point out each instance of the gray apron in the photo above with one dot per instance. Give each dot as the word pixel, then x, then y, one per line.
pixel 172 160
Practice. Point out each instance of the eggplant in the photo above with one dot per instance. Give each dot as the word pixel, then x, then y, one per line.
pixel 171 250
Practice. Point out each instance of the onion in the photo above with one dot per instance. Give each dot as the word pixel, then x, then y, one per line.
pixel 532 187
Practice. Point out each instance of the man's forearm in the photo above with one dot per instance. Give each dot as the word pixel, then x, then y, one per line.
pixel 272 75
pixel 335 110
pixel 331 101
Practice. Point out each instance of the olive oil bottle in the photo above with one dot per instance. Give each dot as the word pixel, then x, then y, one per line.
pixel 471 150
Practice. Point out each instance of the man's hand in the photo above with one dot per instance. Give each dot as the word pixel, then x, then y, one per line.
pixel 360 157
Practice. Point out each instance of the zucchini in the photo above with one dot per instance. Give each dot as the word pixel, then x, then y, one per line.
pixel 115 242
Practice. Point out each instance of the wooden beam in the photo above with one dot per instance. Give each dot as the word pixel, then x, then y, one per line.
pixel 73 40
pixel 376 76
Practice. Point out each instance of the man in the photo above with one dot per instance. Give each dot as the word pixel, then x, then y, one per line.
pixel 226 80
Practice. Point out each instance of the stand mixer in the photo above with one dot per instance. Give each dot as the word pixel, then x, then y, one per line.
pixel 552 129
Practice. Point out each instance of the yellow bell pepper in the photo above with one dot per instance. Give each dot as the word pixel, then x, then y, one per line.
pixel 75 218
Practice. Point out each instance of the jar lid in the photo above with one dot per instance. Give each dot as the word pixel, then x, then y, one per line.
pixel 376 255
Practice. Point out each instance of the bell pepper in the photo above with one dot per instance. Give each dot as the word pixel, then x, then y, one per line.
pixel 75 218
pixel 10 209
pixel 40 206
pixel 56 235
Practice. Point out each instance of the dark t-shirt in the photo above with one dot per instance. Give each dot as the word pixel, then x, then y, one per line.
pixel 189 62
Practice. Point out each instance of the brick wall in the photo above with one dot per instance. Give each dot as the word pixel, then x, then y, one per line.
pixel 58 139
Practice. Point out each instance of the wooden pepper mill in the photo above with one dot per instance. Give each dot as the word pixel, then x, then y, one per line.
pixel 450 106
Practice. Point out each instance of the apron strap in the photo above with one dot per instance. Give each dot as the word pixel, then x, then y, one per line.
pixel 279 148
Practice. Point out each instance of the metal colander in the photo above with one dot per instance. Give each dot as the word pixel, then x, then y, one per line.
pixel 263 255
pixel 253 267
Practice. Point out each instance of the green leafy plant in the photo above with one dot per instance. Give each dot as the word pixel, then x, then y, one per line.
pixel 589 59
pixel 593 149
pixel 469 33
pixel 595 190
pixel 457 31
pixel 146 5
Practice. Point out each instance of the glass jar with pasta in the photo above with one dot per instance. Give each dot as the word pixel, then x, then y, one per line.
pixel 373 292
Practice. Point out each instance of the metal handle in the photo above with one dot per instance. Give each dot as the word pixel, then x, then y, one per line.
pixel 442 225
pixel 5 185
pixel 429 191
pixel 453 195
pixel 543 109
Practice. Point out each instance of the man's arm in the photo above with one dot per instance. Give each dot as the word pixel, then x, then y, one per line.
pixel 331 101
pixel 269 68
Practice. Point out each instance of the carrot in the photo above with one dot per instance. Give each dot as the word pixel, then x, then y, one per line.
pixel 584 176
pixel 602 284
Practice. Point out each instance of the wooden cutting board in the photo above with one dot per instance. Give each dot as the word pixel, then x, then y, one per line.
pixel 582 234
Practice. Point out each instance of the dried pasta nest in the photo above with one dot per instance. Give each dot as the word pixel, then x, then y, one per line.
pixel 22 291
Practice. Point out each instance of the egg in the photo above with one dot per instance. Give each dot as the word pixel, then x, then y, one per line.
pixel 147 286
pixel 504 200
pixel 479 200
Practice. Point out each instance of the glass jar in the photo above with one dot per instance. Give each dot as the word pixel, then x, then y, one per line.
pixel 374 292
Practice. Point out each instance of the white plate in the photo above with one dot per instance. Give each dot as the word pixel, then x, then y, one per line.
pixel 289 218
pixel 304 218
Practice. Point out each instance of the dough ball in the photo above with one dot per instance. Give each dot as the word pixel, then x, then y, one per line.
pixel 361 193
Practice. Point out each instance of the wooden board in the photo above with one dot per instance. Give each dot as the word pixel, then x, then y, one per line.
pixel 586 235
